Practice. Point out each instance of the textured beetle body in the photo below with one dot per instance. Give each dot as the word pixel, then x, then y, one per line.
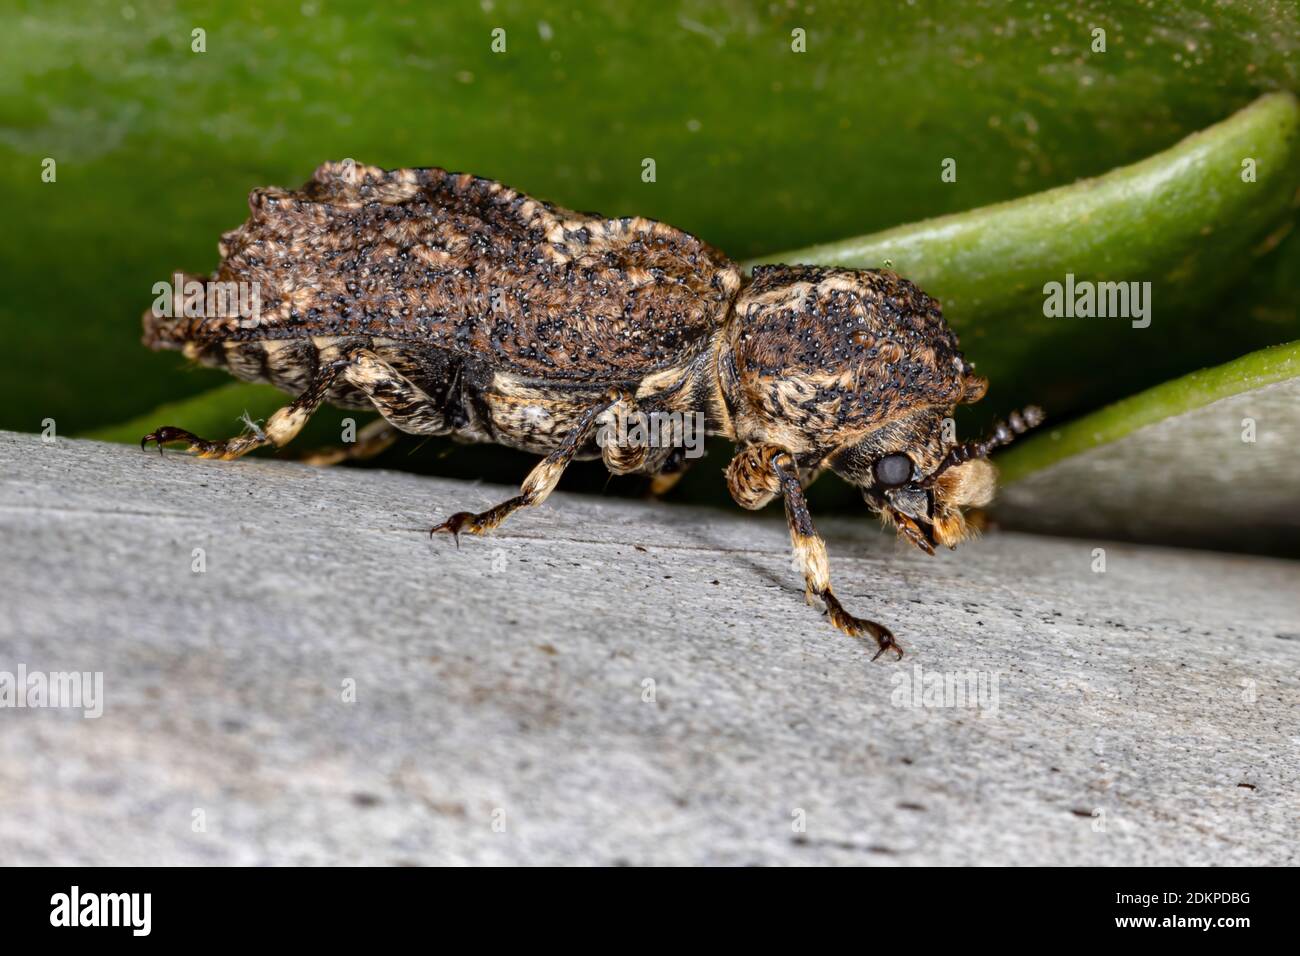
pixel 457 306
pixel 513 315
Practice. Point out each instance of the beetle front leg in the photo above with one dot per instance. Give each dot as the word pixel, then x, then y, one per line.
pixel 755 476
pixel 537 487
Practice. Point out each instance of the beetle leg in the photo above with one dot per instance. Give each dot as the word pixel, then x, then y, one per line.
pixel 541 481
pixel 755 476
pixel 400 402
pixel 280 428
pixel 373 439
pixel 665 479
pixel 751 478
pixel 623 443
pixel 664 482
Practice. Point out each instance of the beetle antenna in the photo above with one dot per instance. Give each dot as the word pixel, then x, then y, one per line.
pixel 1004 433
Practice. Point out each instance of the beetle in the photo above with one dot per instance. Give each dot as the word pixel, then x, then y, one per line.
pixel 454 305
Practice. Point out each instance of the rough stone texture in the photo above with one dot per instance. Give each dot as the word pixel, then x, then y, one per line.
pixel 1188 480
pixel 1132 706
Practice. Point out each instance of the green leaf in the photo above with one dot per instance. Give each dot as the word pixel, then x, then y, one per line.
pixel 757 147
pixel 1109 424
pixel 1149 219
pixel 1208 459
pixel 1187 220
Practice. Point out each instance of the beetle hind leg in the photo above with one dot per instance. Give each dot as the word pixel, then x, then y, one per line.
pixel 402 404
pixel 280 428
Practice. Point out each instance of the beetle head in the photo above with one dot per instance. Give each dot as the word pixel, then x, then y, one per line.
pixel 922 484
pixel 856 369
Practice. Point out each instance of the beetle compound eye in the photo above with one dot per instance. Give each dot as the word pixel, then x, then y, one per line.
pixel 893 470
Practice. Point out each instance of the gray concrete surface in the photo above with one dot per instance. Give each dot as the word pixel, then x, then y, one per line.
pixel 1147 713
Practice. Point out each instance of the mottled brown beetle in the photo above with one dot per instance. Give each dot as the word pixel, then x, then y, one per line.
pixel 456 306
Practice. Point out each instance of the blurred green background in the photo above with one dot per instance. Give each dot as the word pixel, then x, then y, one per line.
pixel 757 149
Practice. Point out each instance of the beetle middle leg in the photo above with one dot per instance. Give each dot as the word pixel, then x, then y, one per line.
pixel 541 481
pixel 622 437
pixel 757 475
pixel 374 438
pixel 665 479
